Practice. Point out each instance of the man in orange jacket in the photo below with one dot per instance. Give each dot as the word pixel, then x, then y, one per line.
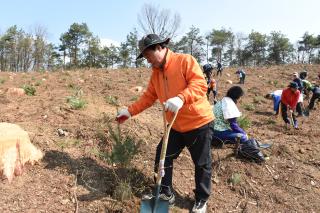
pixel 177 81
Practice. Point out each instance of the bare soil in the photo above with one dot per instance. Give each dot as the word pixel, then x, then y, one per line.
pixel 74 176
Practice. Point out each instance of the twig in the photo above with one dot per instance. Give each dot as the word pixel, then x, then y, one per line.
pixel 297 187
pixel 253 187
pixel 75 192
pixel 234 210
pixel 109 199
pixel 238 204
pixel 269 170
pixel 253 203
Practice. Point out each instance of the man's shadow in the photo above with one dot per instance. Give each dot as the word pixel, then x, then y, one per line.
pixel 101 181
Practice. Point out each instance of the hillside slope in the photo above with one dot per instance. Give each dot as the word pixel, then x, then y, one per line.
pixel 73 175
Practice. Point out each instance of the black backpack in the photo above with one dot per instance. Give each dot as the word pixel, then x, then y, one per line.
pixel 250 150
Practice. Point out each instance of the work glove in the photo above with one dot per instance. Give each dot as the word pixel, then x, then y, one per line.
pixel 246 136
pixel 123 115
pixel 173 104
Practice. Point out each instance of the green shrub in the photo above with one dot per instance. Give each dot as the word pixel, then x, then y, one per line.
pixel 76 102
pixel 124 148
pixel 29 90
pixel 123 191
pixel 249 107
pixel 235 179
pixel 244 122
pixel 100 134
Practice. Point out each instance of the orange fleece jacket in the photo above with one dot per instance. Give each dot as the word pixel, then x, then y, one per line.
pixel 181 76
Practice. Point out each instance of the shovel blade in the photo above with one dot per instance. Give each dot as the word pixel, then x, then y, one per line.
pixel 265 145
pixel 150 206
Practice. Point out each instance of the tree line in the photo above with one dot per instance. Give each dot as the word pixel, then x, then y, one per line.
pixel 79 48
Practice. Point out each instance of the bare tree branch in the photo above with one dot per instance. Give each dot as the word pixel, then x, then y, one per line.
pixel 161 22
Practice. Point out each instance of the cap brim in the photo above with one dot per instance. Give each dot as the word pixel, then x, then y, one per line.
pixel 165 41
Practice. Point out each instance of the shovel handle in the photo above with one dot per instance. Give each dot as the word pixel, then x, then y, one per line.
pixel 291 118
pixel 164 145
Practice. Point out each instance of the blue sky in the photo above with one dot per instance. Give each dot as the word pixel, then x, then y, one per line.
pixel 114 19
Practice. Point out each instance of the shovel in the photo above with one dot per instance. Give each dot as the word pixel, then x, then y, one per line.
pixel 291 118
pixel 154 204
pixel 306 112
pixel 264 145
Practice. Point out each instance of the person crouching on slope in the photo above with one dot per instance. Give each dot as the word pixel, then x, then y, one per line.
pixel 289 100
pixel 315 97
pixel 276 98
pixel 226 112
pixel 177 82
pixel 299 107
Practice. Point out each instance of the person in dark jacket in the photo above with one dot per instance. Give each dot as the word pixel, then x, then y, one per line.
pixel 289 100
pixel 212 87
pixel 242 75
pixel 299 82
pixel 315 96
pixel 219 68
pixel 303 75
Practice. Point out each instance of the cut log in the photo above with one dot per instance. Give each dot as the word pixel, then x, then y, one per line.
pixel 16 92
pixel 16 150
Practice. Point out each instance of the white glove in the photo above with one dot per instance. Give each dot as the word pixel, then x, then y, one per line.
pixel 247 137
pixel 173 104
pixel 123 115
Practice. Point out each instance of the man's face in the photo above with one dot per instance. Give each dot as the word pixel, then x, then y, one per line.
pixel 154 57
pixel 293 89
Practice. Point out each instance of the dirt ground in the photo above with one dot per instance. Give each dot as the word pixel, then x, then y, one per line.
pixel 73 175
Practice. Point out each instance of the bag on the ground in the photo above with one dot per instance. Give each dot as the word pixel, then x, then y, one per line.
pixel 250 150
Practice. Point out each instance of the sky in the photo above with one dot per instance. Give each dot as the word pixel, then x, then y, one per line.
pixel 112 20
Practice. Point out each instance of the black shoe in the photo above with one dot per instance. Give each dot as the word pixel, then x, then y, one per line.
pixel 200 206
pixel 170 198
